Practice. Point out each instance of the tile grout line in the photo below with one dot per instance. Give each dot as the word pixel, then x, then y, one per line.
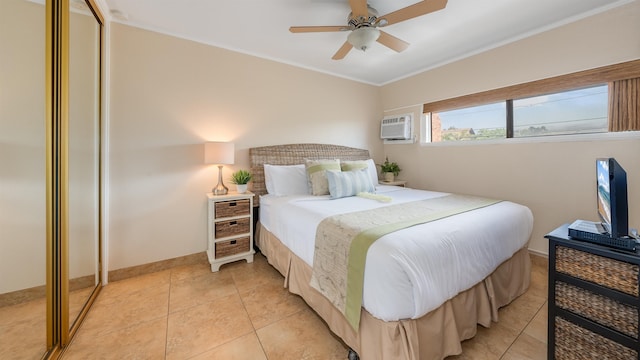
pixel 226 342
pixel 522 331
pixel 286 317
pixel 255 331
pixel 202 303
pixel 166 332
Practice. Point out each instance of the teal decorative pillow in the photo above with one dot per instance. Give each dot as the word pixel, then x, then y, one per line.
pixel 316 174
pixel 348 183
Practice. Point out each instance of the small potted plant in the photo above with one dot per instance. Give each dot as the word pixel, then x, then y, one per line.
pixel 389 170
pixel 241 178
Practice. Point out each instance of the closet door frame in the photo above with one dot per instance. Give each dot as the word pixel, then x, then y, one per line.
pixel 59 333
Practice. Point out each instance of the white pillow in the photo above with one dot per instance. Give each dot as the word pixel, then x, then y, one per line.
pixel 348 183
pixel 350 165
pixel 286 179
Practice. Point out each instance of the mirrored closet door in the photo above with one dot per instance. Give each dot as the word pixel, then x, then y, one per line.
pixel 23 262
pixel 50 189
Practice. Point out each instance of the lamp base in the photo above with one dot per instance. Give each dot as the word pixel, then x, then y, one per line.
pixel 220 189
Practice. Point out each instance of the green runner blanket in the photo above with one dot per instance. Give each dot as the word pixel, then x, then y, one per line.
pixel 342 242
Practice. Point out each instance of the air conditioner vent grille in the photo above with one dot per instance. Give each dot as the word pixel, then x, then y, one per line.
pixel 396 128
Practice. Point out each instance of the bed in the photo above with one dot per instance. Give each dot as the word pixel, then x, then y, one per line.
pixel 410 308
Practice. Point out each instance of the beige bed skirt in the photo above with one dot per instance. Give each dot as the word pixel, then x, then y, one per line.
pixel 434 336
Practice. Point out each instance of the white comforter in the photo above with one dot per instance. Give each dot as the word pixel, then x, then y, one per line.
pixel 412 271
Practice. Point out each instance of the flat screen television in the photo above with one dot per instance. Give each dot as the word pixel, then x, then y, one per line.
pixel 612 197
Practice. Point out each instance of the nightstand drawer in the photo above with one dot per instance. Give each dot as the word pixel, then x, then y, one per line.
pixel 232 247
pixel 231 227
pixel 599 308
pixel 575 342
pixel 614 274
pixel 225 209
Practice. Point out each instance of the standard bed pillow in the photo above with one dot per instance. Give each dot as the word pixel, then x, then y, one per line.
pixel 316 174
pixel 286 179
pixel 350 165
pixel 349 183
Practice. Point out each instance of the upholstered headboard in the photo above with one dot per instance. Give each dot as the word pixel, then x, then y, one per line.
pixel 293 154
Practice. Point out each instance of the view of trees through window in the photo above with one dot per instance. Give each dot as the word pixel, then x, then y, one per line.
pixel 473 123
pixel 569 112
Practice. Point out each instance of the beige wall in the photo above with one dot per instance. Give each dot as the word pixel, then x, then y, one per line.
pixel 170 95
pixel 555 179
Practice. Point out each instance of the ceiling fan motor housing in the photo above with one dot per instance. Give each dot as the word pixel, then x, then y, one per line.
pixel 361 21
pixel 363 29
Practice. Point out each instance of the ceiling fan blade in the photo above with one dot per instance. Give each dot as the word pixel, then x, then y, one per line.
pixel 412 11
pixel 359 8
pixel 392 42
pixel 306 29
pixel 342 52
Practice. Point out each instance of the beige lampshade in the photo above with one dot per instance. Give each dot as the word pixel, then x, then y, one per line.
pixel 221 153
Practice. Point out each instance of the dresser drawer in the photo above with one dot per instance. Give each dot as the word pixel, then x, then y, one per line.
pixel 225 209
pixel 614 274
pixel 599 308
pixel 227 228
pixel 232 247
pixel 575 342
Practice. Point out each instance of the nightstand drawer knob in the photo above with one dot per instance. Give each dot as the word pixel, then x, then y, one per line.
pixel 233 223
pixel 233 242
pixel 233 203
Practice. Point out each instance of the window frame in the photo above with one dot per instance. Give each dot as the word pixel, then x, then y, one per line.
pixel 572 81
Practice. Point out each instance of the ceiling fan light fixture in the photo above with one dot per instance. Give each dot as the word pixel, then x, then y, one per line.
pixel 362 38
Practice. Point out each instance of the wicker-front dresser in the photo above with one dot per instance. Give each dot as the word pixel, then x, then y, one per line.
pixel 593 300
pixel 229 228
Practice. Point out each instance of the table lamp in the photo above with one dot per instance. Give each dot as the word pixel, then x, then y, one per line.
pixel 219 153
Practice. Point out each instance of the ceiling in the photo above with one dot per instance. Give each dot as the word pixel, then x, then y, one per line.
pixel 261 28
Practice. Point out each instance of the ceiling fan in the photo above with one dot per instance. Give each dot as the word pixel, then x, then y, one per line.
pixel 363 22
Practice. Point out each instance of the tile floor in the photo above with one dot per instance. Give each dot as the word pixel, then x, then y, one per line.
pixel 243 312
pixel 23 326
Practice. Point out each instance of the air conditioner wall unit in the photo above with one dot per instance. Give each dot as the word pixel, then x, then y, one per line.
pixel 397 127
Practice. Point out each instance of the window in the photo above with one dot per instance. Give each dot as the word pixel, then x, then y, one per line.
pixel 569 112
pixel 598 100
pixel 474 123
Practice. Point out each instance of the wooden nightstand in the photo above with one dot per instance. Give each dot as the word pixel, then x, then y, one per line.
pixel 229 229
pixel 402 183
